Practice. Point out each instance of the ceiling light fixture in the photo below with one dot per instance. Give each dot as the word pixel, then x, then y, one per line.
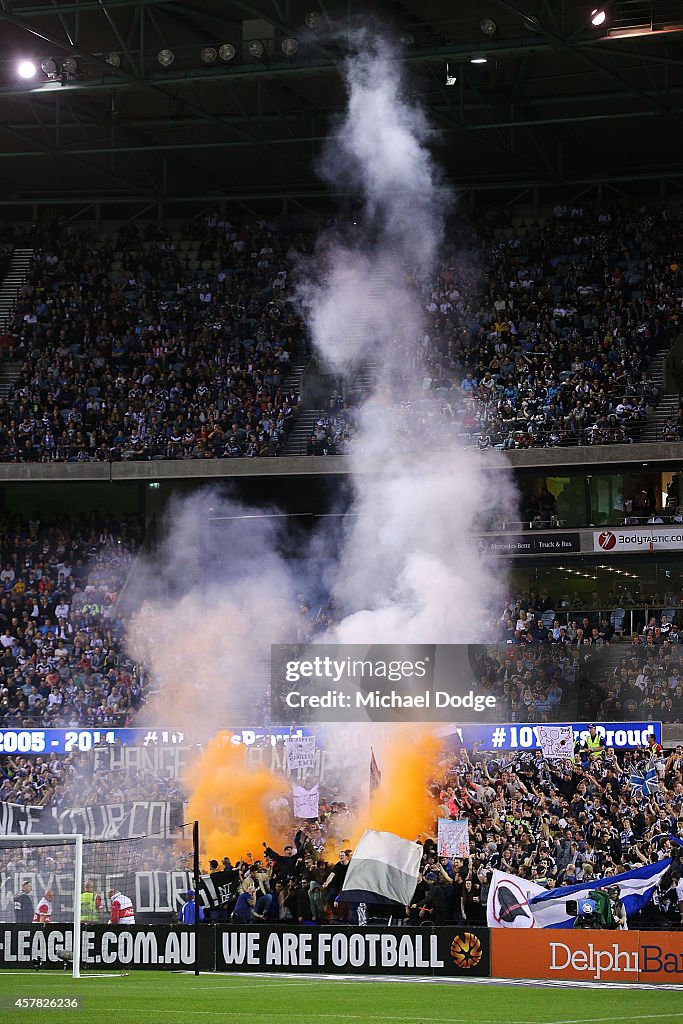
pixel 166 58
pixel 598 17
pixel 226 51
pixel 478 60
pixel 26 69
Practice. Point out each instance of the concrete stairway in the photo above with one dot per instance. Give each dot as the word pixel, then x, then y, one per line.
pixel 18 271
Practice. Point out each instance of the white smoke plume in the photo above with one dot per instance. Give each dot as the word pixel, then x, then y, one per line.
pixel 405 568
pixel 207 637
pixel 408 569
pixel 359 306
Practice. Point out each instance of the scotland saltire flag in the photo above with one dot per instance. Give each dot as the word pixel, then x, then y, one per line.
pixel 645 784
pixel 637 887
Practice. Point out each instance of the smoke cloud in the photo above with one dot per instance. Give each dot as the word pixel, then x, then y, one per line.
pixel 405 566
pixel 234 806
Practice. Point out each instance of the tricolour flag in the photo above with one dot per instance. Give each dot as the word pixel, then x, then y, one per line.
pixel 384 869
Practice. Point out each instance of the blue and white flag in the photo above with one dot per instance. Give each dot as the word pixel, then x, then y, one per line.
pixel 645 785
pixel 384 869
pixel 637 887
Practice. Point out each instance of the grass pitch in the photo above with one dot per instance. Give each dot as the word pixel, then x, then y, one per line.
pixel 155 997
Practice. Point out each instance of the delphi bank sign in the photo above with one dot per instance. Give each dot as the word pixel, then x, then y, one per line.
pixel 462 951
pixel 588 955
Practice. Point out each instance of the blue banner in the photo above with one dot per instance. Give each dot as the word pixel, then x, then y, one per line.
pixel 620 735
pixel 64 741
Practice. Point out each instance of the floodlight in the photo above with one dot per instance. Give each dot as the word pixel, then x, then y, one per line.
pixel 226 51
pixel 488 26
pixel 26 69
pixel 598 17
pixel 478 60
pixel 70 65
pixel 256 48
pixel 209 54
pixel 289 46
pixel 166 58
pixel 114 59
pixel 48 66
pixel 313 19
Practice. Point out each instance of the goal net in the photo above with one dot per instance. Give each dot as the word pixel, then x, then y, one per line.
pixel 48 881
pixel 40 884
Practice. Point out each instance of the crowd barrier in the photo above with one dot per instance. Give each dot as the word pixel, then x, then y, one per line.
pixel 447 951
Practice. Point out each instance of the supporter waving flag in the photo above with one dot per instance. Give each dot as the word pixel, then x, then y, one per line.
pixel 637 888
pixel 515 902
pixel 384 869
pixel 645 784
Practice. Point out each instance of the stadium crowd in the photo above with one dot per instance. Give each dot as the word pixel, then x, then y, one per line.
pixel 182 349
pixel 556 346
pixel 151 346
pixel 62 660
pixel 65 781
pixel 556 823
pixel 175 349
pixel 553 822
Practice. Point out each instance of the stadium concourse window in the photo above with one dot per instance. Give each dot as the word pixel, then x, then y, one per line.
pixel 599 498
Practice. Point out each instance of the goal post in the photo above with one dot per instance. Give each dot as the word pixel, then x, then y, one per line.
pixel 25 865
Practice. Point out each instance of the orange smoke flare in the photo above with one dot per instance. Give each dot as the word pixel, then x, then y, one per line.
pixel 408 757
pixel 231 803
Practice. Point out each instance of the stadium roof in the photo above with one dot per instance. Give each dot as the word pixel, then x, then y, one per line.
pixel 558 103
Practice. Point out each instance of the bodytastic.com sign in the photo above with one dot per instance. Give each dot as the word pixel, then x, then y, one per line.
pixel 646 538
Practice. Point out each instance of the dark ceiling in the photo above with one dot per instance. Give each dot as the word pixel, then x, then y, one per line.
pixel 558 104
